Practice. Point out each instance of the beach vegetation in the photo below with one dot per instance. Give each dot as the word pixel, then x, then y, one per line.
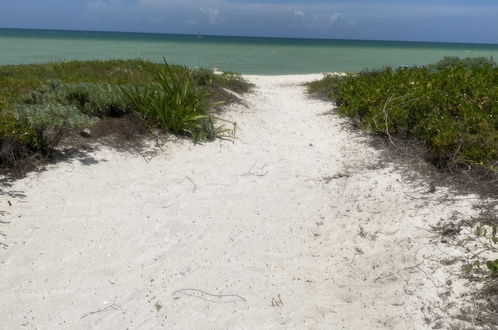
pixel 17 142
pixel 450 107
pixel 468 62
pixel 328 86
pixel 230 80
pixel 175 103
pixel 98 99
pixel 40 104
pixel 49 121
pixel 482 268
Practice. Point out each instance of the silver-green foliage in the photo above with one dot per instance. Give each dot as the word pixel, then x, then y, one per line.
pixel 51 120
pixel 98 99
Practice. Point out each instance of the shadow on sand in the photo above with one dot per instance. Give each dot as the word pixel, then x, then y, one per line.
pixel 7 194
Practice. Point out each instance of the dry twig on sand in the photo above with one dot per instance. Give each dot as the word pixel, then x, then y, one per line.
pixel 113 306
pixel 261 169
pixel 194 186
pixel 399 271
pixel 216 298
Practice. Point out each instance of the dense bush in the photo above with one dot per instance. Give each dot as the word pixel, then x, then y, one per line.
pixel 451 107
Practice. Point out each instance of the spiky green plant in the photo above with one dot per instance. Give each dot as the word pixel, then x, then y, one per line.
pixel 176 103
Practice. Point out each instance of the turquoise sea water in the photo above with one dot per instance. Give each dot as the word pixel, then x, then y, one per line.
pixel 245 55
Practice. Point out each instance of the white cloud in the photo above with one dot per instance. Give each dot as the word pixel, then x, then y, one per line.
pixel 334 18
pixel 220 16
pixel 102 5
pixel 299 13
pixel 314 21
pixel 213 15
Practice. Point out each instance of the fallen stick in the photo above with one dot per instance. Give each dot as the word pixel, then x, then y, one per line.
pixel 192 293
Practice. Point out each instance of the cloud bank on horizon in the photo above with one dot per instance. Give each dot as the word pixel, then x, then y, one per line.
pixel 437 20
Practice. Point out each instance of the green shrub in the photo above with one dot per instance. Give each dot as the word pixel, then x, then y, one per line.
pixel 453 110
pixel 51 92
pixel 49 121
pixel 17 141
pixel 176 104
pixel 93 99
pixel 328 86
pixel 98 99
pixel 469 62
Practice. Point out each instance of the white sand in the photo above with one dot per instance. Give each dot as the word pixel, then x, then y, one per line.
pixel 292 222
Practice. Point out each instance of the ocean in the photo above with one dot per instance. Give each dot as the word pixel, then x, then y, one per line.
pixel 241 54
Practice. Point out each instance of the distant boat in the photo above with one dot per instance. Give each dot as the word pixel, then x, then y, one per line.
pixel 199 35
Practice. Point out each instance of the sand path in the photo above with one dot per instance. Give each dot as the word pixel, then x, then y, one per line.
pixel 294 224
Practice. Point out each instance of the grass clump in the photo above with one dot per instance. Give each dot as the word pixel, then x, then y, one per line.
pixel 176 103
pixel 451 107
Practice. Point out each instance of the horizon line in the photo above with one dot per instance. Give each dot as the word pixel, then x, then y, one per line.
pixel 249 37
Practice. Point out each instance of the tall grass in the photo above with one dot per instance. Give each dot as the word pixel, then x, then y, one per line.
pixel 176 103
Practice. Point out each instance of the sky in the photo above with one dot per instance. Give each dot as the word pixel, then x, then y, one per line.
pixel 415 20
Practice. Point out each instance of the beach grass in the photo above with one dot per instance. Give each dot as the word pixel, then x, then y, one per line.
pixel 39 103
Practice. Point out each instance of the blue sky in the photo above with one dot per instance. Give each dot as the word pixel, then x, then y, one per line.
pixel 437 20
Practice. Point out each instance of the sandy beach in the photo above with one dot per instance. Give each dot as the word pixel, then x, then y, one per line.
pixel 296 224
